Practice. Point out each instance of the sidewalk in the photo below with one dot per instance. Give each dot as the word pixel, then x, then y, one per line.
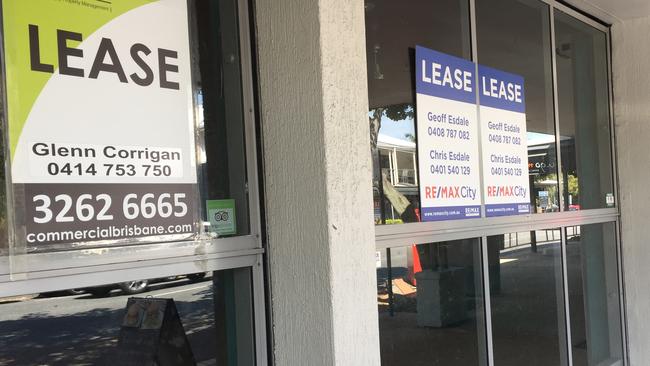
pixel 17 298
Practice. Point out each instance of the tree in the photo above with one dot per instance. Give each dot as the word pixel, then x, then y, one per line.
pixel 400 203
pixel 573 187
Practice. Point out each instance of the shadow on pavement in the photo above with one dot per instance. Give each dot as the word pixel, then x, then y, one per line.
pixel 90 337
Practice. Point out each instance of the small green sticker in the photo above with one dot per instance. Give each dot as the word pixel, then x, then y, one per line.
pixel 221 214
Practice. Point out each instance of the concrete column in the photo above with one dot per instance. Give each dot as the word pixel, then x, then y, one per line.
pixel 317 181
pixel 631 73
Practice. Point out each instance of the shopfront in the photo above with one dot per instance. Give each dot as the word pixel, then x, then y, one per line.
pixel 313 182
pixel 505 251
pixel 130 154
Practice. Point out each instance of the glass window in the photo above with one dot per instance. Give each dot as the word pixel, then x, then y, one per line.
pixel 4 225
pixel 527 298
pixel 431 304
pixel 583 97
pixel 220 132
pixel 392 32
pixel 216 91
pixel 514 36
pixel 419 289
pixel 84 326
pixel 594 302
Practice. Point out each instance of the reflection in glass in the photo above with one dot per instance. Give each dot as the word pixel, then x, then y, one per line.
pixel 514 36
pixel 392 32
pixel 583 97
pixel 219 136
pixel 431 304
pixel 75 327
pixel 4 238
pixel 527 299
pixel 594 302
pixel 220 131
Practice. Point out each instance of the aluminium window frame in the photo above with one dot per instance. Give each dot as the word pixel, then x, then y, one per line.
pixel 407 234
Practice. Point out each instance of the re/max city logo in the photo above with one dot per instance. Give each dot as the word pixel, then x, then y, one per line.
pixel 441 192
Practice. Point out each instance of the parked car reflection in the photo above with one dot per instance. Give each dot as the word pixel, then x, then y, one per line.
pixel 137 286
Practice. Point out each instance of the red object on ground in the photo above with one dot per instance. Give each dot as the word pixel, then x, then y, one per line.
pixel 417 266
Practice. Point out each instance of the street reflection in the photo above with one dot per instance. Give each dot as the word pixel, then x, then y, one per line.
pixel 526 297
pixel 430 304
pixel 81 329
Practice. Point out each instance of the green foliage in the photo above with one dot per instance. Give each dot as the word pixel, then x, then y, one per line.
pixel 400 112
pixel 573 187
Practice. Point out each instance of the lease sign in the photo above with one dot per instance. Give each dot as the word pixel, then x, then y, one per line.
pixel 447 131
pixel 101 124
pixel 504 146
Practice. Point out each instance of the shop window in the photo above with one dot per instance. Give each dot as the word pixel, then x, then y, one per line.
pixel 221 143
pixel 430 303
pixel 594 301
pixel 95 326
pixel 190 184
pixel 515 36
pixel 583 97
pixel 4 225
pixel 545 307
pixel 392 32
pixel 527 298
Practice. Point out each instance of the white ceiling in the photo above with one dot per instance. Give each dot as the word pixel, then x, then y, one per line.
pixel 613 11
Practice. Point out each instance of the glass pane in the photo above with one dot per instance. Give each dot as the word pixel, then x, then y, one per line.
pixel 84 327
pixel 527 299
pixel 222 155
pixel 210 99
pixel 583 96
pixel 596 336
pixel 392 32
pixel 4 237
pixel 431 304
pixel 514 36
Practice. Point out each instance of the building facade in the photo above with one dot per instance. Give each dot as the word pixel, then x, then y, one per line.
pixel 325 182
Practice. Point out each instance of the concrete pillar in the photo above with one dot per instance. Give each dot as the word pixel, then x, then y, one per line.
pixel 631 73
pixel 317 181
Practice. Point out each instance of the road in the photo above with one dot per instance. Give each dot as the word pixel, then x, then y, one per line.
pixel 83 330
